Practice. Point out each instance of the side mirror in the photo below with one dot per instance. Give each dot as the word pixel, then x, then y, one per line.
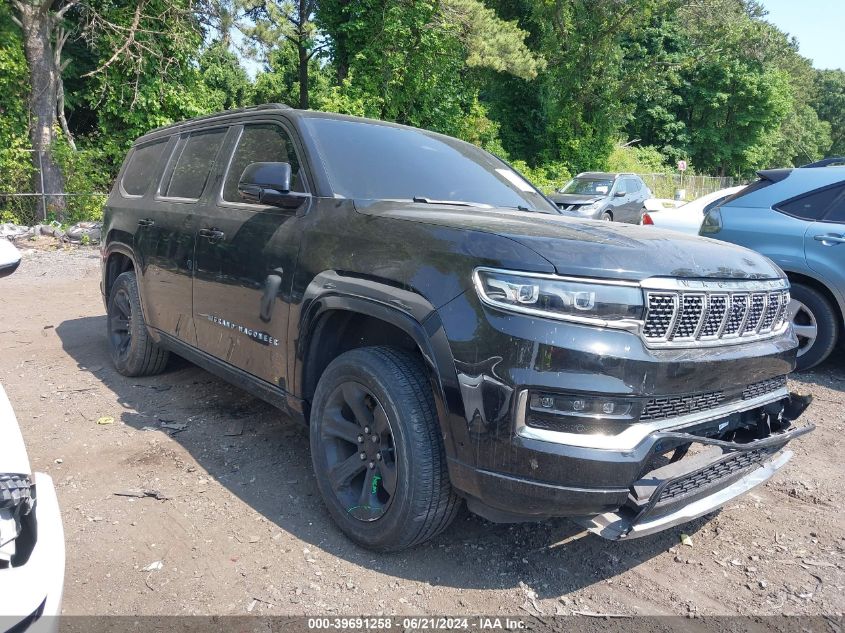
pixel 10 257
pixel 620 193
pixel 269 183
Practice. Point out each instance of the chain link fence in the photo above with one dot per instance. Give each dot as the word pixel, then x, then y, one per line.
pixel 29 209
pixel 24 201
pixel 688 187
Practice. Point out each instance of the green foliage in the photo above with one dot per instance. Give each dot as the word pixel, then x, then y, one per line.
pixel 636 159
pixel 829 103
pixel 154 85
pixel 14 76
pixel 546 177
pixel 223 75
pixel 553 86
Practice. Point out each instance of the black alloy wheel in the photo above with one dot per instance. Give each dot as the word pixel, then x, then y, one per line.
pixel 358 443
pixel 119 324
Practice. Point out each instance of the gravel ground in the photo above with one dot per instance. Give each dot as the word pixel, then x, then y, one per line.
pixel 243 529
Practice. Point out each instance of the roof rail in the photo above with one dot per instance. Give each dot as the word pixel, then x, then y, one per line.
pixel 213 115
pixel 824 162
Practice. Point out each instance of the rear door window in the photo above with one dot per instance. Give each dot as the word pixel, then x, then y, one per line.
pixel 811 206
pixel 190 173
pixel 144 165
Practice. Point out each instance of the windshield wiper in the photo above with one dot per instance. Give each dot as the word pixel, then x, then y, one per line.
pixel 456 203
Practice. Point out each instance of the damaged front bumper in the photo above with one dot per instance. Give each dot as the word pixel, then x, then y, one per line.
pixel 693 486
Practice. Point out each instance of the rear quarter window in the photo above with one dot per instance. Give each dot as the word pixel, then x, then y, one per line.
pixel 811 206
pixel 144 165
pixel 836 213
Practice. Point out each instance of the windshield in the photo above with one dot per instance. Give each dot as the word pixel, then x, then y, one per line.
pixel 588 186
pixel 369 161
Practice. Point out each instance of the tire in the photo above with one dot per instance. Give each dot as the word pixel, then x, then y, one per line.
pixel 390 392
pixel 812 313
pixel 133 352
pixel 607 216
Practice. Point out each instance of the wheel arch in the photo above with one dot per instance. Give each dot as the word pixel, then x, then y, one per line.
pixel 343 317
pixel 117 260
pixel 821 287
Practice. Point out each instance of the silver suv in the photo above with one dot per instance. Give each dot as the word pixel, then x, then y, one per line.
pixel 605 196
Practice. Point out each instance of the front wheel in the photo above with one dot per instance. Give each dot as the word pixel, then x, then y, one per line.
pixel 377 450
pixel 815 323
pixel 607 217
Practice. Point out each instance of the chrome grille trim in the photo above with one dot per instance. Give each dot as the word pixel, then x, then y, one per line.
pixel 692 313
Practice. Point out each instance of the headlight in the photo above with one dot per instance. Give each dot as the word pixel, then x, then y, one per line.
pixel 597 302
pixel 588 208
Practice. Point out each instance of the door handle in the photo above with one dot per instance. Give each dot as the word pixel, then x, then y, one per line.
pixel 271 291
pixel 830 240
pixel 212 234
pixel 146 222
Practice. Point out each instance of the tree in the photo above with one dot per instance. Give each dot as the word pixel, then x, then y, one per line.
pixel 44 36
pixel 417 62
pixel 272 24
pixel 145 67
pixel 829 103
pixel 223 74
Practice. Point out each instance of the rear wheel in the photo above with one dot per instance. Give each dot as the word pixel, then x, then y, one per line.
pixel 377 450
pixel 132 350
pixel 815 323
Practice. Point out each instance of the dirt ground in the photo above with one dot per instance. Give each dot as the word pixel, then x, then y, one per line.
pixel 243 529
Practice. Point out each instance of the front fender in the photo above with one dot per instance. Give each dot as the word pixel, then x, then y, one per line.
pixel 399 307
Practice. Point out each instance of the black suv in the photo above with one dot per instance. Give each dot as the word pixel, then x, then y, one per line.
pixel 446 334
pixel 599 195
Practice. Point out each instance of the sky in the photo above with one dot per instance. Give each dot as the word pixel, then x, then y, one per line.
pixel 817 24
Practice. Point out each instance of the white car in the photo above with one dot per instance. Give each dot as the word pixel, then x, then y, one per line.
pixel 10 257
pixel 687 218
pixel 32 542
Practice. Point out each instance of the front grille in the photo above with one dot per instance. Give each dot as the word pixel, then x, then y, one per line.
pixel 712 474
pixel 711 312
pixel 763 387
pixel 676 406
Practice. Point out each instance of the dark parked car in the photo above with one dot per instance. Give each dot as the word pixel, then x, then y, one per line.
pixel 796 217
pixel 601 196
pixel 444 331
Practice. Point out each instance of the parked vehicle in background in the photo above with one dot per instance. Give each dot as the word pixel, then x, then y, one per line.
pixel 10 257
pixel 444 332
pixel 605 196
pixel 688 217
pixel 32 547
pixel 796 217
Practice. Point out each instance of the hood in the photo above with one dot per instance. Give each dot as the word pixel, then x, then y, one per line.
pixel 591 248
pixel 13 458
pixel 574 198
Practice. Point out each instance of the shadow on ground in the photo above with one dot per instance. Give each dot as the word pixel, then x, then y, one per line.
pixel 268 467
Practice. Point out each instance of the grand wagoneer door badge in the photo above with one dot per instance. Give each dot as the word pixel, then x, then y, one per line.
pixel 259 337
